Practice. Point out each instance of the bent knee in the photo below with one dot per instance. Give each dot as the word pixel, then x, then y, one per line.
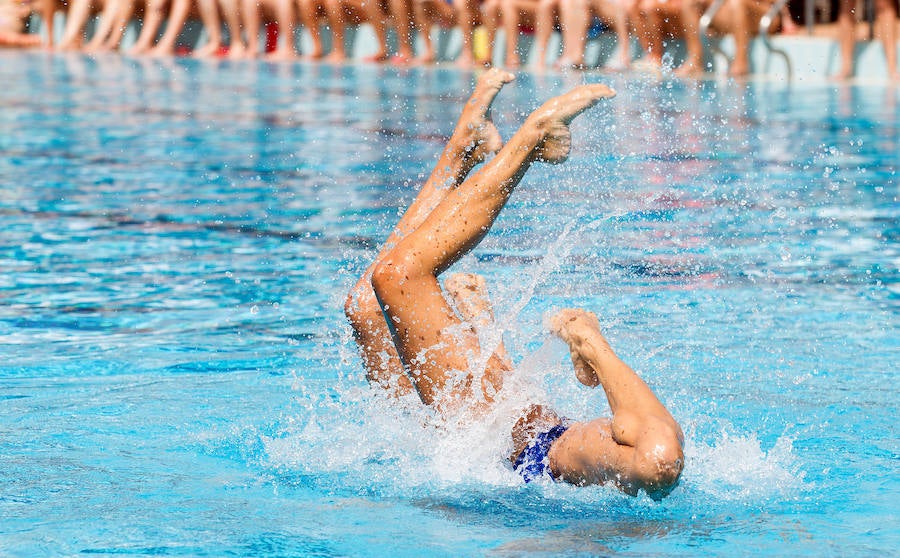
pixel 355 305
pixel 393 272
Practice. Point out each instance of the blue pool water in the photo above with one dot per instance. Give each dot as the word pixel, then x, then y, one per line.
pixel 177 378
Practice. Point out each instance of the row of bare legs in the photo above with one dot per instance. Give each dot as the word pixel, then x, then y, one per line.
pixel 651 22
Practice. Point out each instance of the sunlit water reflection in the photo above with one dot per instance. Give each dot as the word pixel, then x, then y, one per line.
pixel 178 378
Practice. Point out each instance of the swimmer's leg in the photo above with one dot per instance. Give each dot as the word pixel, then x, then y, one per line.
pixel 474 137
pixel 405 280
pixel 641 447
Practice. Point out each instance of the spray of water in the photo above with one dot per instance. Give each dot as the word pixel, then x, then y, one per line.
pixel 352 434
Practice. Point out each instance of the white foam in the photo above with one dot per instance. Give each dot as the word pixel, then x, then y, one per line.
pixel 736 468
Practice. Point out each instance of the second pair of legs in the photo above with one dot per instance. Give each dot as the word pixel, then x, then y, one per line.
pixel 414 337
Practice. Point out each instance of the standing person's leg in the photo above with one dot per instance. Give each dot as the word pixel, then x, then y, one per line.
pixel 178 15
pixel 493 19
pixel 231 12
pixel 544 18
pixel 742 15
pixel 376 16
pixel 467 19
pixel 104 27
pixel 575 20
pixel 405 281
pixel 427 14
pixel 474 137
pixel 636 15
pixel 402 18
pixel 308 10
pixel 286 47
pixel 209 15
pixel 337 24
pixel 641 447
pixel 154 13
pixel 512 12
pixel 123 17
pixel 342 13
pixel 691 12
pixel 620 24
pixel 76 19
pixel 653 38
pixel 46 9
pixel 12 26
pixel 251 17
pixel 847 38
pixel 886 21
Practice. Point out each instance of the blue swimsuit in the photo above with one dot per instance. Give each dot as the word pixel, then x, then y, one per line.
pixel 532 463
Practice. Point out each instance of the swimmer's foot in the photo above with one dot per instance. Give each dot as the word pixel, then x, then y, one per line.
pixel 469 295
pixel 551 121
pixel 475 133
pixel 578 327
pixel 468 292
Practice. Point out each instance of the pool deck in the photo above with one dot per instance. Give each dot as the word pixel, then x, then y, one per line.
pixel 799 57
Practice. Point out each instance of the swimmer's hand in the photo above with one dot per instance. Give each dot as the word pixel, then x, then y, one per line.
pixel 552 120
pixel 475 133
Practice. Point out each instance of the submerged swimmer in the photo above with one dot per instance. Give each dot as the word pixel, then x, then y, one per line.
pixel 403 321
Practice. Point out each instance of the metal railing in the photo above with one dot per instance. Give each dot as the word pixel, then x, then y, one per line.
pixel 706 21
pixel 764 24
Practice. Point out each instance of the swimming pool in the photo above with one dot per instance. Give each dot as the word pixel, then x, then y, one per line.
pixel 178 378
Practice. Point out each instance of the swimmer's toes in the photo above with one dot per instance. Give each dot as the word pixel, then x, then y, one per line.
pixel 489 85
pixel 583 98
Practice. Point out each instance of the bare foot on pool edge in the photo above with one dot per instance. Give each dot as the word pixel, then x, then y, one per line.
pixel 281 55
pixel 551 121
pixel 690 69
pixel 475 132
pixel 575 326
pixel 377 58
pixel 209 50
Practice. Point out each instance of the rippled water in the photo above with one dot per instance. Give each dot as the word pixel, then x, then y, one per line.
pixel 177 376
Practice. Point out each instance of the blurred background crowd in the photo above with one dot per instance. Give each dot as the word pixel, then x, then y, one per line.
pixel 488 31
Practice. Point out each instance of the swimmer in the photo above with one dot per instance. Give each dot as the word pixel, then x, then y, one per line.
pixel 406 327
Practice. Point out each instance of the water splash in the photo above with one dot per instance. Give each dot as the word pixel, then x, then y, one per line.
pixel 737 468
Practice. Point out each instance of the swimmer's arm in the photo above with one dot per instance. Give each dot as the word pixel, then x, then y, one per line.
pixel 588 453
